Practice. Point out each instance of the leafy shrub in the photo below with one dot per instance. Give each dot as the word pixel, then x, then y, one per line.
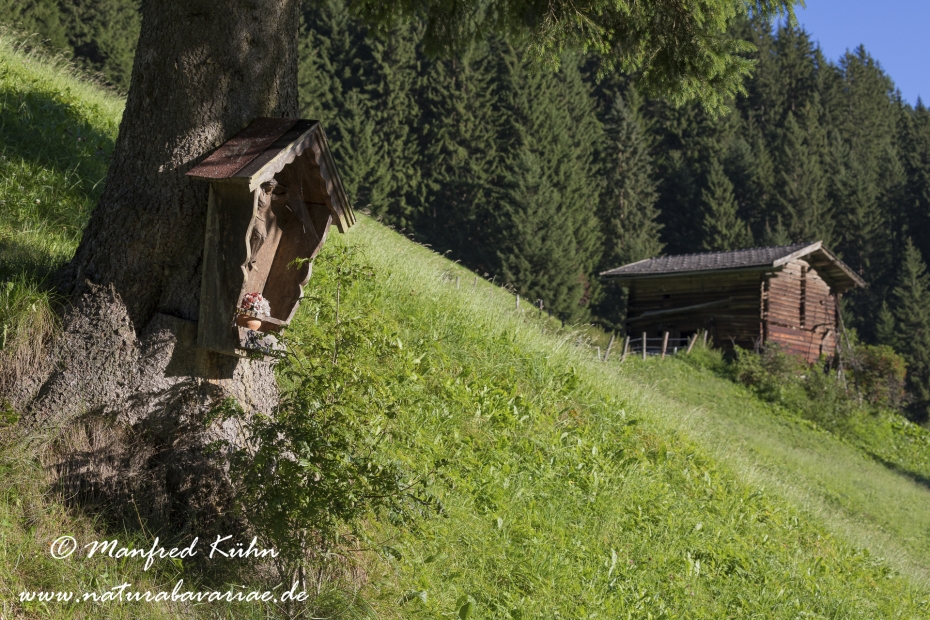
pixel 879 373
pixel 772 373
pixel 706 357
pixel 312 469
pixel 815 391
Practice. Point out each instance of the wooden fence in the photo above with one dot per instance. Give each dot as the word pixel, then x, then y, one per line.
pixel 661 346
pixel 642 345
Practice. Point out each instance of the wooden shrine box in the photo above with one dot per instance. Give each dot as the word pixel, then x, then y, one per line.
pixel 274 192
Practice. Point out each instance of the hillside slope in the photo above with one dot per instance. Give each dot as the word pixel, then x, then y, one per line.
pixel 569 488
pixel 583 485
pixel 830 476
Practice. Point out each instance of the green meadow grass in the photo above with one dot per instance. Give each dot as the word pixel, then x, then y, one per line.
pixel 831 475
pixel 57 132
pixel 569 488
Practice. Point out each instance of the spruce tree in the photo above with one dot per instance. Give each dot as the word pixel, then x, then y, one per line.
pixel 912 326
pixel 41 17
pixel 459 140
pixel 915 150
pixel 802 191
pixel 885 327
pixel 537 255
pixel 683 139
pixel 100 36
pixel 861 226
pixel 581 184
pixel 362 87
pixel 628 212
pixel 775 234
pixel 550 135
pixel 723 228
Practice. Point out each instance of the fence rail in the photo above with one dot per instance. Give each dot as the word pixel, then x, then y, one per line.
pixel 661 346
pixel 642 345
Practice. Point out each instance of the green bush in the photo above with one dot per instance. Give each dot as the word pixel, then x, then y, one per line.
pixel 879 373
pixel 814 390
pixel 772 373
pixel 313 468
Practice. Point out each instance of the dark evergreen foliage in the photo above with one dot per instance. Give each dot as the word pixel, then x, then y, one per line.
pixel 628 213
pixel 723 228
pixel 911 297
pixel 100 34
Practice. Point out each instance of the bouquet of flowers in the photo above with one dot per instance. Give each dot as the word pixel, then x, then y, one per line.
pixel 254 304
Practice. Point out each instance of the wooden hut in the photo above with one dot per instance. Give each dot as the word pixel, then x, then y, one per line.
pixel 786 295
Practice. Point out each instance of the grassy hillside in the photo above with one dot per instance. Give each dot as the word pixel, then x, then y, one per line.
pixel 57 132
pixel 576 485
pixel 569 488
pixel 867 481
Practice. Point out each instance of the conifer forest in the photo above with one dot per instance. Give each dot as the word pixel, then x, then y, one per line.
pixel 541 179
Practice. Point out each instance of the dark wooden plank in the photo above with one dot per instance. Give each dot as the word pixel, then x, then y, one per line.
pixel 709 305
pixel 609 344
pixel 229 213
pixel 241 149
pixel 323 181
pixel 264 238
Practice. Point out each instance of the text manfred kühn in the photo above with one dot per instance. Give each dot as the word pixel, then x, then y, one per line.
pixel 221 548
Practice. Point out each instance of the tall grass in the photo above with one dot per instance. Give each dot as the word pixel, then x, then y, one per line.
pixel 58 131
pixel 27 322
pixel 827 474
pixel 567 493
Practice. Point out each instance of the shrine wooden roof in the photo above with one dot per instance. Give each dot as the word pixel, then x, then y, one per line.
pixel 261 150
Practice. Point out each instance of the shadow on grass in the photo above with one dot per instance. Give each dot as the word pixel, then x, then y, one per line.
pixel 51 130
pixel 34 263
pixel 920 479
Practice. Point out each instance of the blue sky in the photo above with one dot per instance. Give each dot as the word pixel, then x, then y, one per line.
pixel 894 32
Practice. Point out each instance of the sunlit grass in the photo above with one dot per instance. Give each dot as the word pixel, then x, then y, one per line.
pixel 575 489
pixel 825 475
pixel 57 133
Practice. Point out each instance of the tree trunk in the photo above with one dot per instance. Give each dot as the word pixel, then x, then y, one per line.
pixel 127 355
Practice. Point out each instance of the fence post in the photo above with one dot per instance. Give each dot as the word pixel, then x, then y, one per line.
pixel 705 337
pixel 644 345
pixel 626 348
pixel 664 344
pixel 518 301
pixel 456 281
pixel 691 344
pixel 610 344
pixel 598 353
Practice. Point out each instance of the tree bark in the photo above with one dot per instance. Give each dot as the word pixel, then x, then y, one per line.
pixel 203 71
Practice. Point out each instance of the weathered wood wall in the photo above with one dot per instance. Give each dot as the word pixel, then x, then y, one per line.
pixel 736 319
pixel 792 307
pixel 799 311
